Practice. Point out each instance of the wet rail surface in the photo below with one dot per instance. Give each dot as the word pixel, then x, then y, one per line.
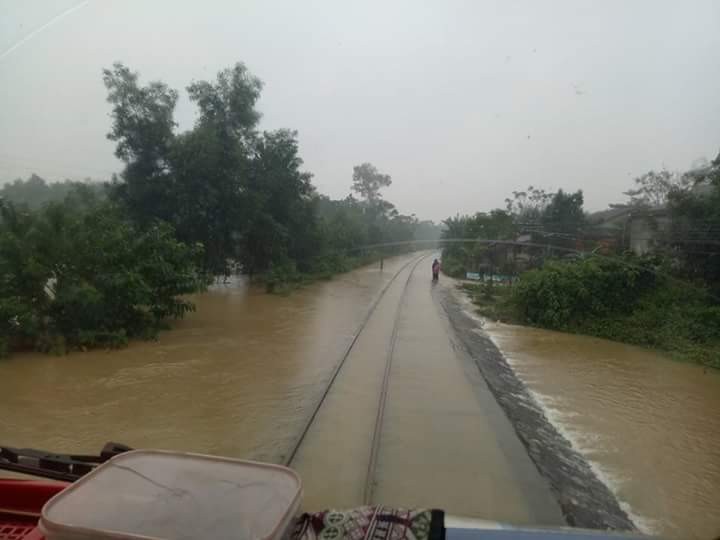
pixel 292 452
pixel 409 422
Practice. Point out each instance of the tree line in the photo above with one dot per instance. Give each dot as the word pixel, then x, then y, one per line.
pixel 239 192
pixel 552 219
pixel 681 212
pixel 84 264
pixel 567 279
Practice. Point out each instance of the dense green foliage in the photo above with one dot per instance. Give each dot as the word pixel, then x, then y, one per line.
pixel 242 194
pixel 622 299
pixel 81 276
pixel 563 218
pixel 566 293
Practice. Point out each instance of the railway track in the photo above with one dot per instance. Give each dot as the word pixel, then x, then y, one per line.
pixel 378 425
pixel 377 432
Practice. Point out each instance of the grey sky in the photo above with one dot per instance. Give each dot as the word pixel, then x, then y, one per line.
pixel 461 102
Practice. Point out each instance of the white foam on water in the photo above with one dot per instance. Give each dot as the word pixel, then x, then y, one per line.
pixel 469 308
pixel 644 524
pixel 586 444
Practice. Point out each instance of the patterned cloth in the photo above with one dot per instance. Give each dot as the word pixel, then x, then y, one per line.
pixel 371 523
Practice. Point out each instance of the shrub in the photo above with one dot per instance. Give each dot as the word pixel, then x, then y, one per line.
pixel 563 294
pixel 623 300
pixel 81 277
pixel 281 274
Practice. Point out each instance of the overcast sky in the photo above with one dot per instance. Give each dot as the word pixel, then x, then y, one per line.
pixel 461 102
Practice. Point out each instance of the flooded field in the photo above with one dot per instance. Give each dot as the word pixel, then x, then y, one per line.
pixel 649 426
pixel 240 377
pixel 234 378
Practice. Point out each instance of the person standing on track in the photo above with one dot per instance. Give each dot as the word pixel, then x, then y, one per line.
pixel 436 269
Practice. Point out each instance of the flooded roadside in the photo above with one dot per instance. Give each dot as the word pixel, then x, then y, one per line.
pixel 646 426
pixel 649 426
pixel 619 432
pixel 234 378
pixel 584 499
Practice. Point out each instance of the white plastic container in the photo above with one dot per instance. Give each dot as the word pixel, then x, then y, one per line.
pixel 157 495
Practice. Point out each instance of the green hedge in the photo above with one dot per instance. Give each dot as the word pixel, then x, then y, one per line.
pixel 624 300
pixel 567 293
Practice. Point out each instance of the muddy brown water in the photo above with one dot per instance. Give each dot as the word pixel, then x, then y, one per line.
pixel 649 426
pixel 240 376
pixel 234 378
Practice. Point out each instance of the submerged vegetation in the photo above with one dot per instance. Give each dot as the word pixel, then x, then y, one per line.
pixel 86 264
pixel 84 275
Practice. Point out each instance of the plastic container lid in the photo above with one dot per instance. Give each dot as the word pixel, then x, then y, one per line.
pixel 153 494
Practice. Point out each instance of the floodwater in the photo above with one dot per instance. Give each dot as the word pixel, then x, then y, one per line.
pixel 235 378
pixel 649 426
pixel 241 376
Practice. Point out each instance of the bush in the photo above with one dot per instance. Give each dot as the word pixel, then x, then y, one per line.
pixel 623 300
pixel 563 294
pixel 84 277
pixel 452 266
pixel 326 266
pixel 281 275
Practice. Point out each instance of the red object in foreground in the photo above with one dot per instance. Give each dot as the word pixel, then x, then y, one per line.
pixel 21 502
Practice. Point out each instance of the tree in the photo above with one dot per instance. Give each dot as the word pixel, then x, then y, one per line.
pixel 143 120
pixel 461 257
pixel 196 180
pixel 208 198
pixel 143 127
pixel 564 214
pixel 367 182
pixel 242 194
pixel 281 222
pixel 22 278
pixel 653 188
pixel 229 104
pixel 343 222
pixel 528 206
pixel 694 234
pixel 547 214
